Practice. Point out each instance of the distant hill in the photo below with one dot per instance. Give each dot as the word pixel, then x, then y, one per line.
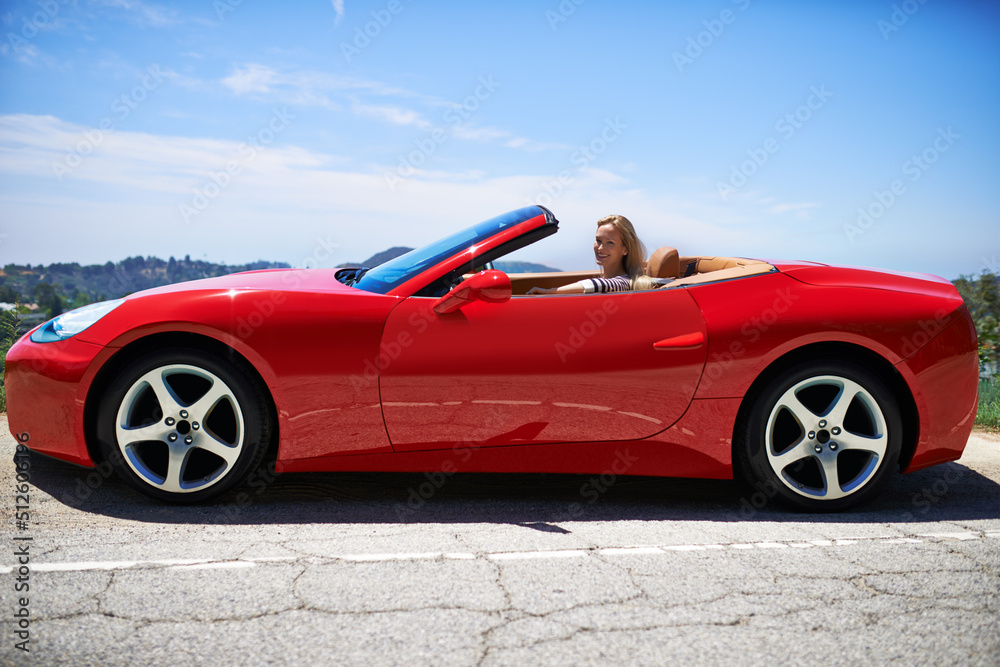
pixel 377 258
pixel 76 285
pixel 393 253
pixel 524 267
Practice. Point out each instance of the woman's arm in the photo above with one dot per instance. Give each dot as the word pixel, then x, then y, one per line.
pixel 572 288
pixel 588 286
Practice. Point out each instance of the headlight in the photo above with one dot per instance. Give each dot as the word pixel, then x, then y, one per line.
pixel 70 324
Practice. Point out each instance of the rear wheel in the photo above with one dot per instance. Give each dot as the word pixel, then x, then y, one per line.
pixel 183 425
pixel 825 436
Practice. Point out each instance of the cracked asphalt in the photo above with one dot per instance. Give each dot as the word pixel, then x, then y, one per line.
pixel 504 570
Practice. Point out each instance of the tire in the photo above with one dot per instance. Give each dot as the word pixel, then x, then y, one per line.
pixel 821 437
pixel 184 426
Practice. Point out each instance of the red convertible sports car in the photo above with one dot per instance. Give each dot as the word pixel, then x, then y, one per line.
pixel 814 382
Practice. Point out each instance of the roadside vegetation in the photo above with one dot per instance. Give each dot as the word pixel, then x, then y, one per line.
pixel 988 415
pixel 10 325
pixel 982 296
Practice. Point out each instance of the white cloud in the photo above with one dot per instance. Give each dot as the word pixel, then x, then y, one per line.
pixel 312 88
pixel 392 114
pixel 144 13
pixel 338 8
pixel 278 203
pixel 251 78
pixel 125 198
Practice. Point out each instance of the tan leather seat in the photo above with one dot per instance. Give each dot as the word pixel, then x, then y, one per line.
pixel 663 263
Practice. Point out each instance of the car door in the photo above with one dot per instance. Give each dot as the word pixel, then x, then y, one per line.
pixel 540 369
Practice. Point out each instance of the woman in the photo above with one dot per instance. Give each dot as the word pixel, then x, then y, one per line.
pixel 619 253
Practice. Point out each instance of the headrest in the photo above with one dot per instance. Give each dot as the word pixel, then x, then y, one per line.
pixel 663 263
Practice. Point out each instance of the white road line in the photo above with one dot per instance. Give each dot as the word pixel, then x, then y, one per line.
pixel 224 565
pixel 432 555
pixel 630 551
pixel 526 555
pixel 965 535
pixel 643 550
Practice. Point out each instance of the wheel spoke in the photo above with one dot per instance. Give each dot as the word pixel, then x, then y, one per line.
pixel 876 445
pixel 129 436
pixel 175 469
pixel 831 478
pixel 169 402
pixel 837 411
pixel 803 449
pixel 221 449
pixel 789 401
pixel 200 409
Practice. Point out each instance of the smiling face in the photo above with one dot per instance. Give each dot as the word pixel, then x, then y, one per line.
pixel 610 251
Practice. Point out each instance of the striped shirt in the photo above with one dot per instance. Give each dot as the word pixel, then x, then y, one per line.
pixel 616 284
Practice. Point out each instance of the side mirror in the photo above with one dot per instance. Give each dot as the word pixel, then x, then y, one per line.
pixel 489 286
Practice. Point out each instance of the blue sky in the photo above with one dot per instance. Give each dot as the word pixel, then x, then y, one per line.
pixel 315 133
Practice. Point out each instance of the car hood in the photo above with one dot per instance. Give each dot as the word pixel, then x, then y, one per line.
pixel 217 304
pixel 309 280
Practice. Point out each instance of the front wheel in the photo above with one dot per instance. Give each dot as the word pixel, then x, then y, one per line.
pixel 182 425
pixel 824 436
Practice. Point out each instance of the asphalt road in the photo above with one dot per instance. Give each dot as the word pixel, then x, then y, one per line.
pixel 496 570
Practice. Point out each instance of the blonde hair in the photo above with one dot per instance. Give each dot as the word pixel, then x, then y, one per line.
pixel 644 282
pixel 635 257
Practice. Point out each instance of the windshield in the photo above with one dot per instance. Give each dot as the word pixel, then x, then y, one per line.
pixel 397 271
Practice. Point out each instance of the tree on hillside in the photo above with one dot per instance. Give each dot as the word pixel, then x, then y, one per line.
pixel 982 296
pixel 48 299
pixel 8 294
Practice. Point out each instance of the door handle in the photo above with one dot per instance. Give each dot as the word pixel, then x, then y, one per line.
pixel 682 342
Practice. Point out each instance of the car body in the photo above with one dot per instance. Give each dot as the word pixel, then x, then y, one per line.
pixel 814 382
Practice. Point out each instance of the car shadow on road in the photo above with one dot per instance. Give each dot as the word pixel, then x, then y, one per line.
pixel 949 492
